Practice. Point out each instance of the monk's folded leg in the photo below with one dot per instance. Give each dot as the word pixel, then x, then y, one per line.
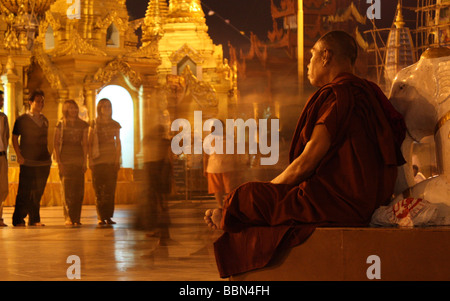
pixel 254 204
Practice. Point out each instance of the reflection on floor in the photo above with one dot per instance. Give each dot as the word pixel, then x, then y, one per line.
pixel 110 253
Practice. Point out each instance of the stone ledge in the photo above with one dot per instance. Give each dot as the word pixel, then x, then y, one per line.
pixel 340 254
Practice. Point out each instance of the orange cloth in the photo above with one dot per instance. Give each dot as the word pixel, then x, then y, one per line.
pixel 221 182
pixel 355 177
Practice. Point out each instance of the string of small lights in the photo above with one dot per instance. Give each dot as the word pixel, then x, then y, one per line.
pixel 211 12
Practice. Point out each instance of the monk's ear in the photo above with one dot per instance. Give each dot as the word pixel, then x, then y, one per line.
pixel 327 56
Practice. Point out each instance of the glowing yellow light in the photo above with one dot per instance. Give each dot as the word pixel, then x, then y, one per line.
pixel 195 7
pixel 123 113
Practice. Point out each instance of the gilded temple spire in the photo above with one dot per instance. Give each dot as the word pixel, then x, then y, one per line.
pixel 156 12
pixel 154 20
pixel 186 11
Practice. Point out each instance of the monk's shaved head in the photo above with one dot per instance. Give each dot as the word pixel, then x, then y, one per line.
pixel 341 44
pixel 334 53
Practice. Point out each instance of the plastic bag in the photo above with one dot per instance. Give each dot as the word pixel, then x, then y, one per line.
pixel 411 212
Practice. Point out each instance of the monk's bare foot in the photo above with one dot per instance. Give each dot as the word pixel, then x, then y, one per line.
pixel 213 217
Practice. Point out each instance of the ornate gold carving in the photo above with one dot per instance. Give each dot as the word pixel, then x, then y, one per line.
pixel 224 70
pixel 152 27
pixel 112 17
pixel 202 92
pixel 76 45
pixel 135 24
pixel 185 50
pixel 150 51
pixel 11 40
pixel 119 65
pixel 50 71
pixel 49 20
pixel 38 6
pixel 45 23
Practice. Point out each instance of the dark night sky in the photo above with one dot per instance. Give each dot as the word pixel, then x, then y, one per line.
pixel 243 15
pixel 253 16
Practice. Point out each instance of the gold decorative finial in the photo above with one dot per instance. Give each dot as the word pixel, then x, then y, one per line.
pixel 399 22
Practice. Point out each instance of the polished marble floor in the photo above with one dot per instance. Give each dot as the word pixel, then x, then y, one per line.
pixel 110 253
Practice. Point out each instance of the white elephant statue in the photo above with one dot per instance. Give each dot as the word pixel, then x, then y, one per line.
pixel 421 93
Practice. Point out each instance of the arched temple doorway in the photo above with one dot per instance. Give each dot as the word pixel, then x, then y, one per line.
pixel 123 113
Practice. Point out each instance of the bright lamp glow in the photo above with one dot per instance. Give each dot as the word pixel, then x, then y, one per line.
pixel 123 113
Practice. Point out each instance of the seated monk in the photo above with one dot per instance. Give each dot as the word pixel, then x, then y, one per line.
pixel 343 165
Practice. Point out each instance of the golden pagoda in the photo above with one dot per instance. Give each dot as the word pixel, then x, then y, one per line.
pixel 189 56
pixel 75 49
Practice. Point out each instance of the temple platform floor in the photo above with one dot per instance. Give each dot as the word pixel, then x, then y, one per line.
pixel 112 252
pixel 122 253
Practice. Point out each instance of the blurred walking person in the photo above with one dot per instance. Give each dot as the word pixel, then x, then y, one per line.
pixel 222 170
pixel 104 160
pixel 153 208
pixel 71 147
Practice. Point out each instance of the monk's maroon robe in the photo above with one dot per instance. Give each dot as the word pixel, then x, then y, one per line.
pixel 355 177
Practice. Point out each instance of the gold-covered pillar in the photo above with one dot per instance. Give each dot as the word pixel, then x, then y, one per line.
pixel 90 94
pixel 63 95
pixel 10 82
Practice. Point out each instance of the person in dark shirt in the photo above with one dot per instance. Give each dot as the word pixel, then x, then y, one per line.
pixel 34 159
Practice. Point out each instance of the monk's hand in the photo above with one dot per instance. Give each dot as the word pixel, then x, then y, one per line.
pixel 20 159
